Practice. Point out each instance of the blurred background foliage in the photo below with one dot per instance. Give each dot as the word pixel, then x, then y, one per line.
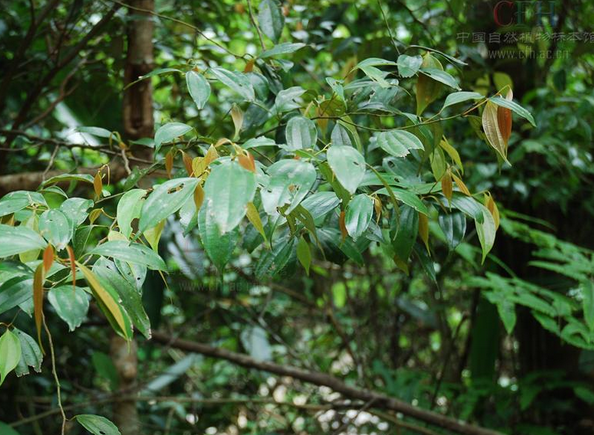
pixel 485 343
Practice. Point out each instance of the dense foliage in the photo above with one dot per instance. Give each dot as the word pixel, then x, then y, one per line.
pixel 319 192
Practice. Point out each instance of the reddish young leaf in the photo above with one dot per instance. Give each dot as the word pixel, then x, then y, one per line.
pixel 48 258
pixel 446 184
pixel 187 163
pixel 247 161
pixel 169 163
pixel 492 207
pixel 504 119
pixel 342 225
pixel 38 279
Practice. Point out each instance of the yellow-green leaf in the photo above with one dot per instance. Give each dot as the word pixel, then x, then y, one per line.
pixel 107 301
pixel 492 131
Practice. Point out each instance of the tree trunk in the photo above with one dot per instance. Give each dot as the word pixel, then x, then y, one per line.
pixel 138 122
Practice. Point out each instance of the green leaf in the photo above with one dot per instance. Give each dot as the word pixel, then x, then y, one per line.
pixel 31 355
pixel 440 76
pixel 408 198
pixel 290 181
pixel 129 208
pixel 16 240
pixel 10 354
pixel 236 81
pixel 486 231
pixel 258 142
pixel 130 252
pixel 376 75
pixel 406 234
pixel 274 260
pixel 469 206
pixel 55 226
pixel 97 425
pixel 7 430
pixel 507 312
pixel 131 299
pixel 514 107
pixel 219 247
pixel 349 166
pixel 320 204
pixel 228 189
pixel 373 62
pixel 199 88
pixel 18 200
pixel 15 291
pixel 271 19
pixel 287 100
pixel 168 132
pixel 398 142
pixel 447 56
pixel 460 97
pixel 304 254
pixel 301 133
pixel 584 393
pixel 427 88
pixel 106 369
pixel 166 199
pixel 453 226
pixel 588 303
pixel 71 304
pixel 85 178
pixel 76 210
pixel 358 215
pixel 331 241
pixel 96 131
pixel 284 48
pixel 340 136
pixel 408 66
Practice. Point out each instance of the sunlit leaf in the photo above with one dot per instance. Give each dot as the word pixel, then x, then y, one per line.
pixel 165 199
pixel 348 166
pixel 198 87
pixel 228 189
pixel 301 133
pixel 70 303
pixel 169 132
pixel 108 302
pixel 31 355
pixel 398 142
pixel 130 252
pixel 492 131
pixel 10 354
pixel 358 215
pixel 97 425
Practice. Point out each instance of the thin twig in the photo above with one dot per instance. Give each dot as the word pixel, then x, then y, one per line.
pixel 255 24
pixel 55 373
pixel 184 23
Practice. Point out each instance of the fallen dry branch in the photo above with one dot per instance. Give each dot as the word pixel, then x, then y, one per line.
pixel 379 400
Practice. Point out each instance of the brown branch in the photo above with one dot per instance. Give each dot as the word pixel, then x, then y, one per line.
pixel 218 402
pixel 74 51
pixel 321 379
pixel 32 180
pixel 20 54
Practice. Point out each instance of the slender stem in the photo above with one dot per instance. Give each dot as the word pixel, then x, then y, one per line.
pixel 255 24
pixel 55 373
